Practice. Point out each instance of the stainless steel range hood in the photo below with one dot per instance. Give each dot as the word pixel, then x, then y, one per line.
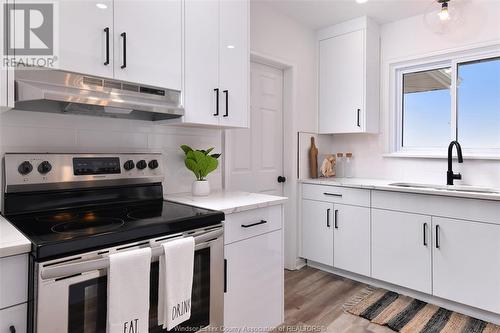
pixel 58 91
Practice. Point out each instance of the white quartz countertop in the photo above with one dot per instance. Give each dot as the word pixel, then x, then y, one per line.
pixel 228 201
pixel 12 241
pixel 384 185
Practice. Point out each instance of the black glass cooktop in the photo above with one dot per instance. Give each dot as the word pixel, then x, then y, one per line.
pixel 66 232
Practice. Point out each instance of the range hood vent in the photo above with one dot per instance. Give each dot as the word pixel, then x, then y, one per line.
pixel 58 91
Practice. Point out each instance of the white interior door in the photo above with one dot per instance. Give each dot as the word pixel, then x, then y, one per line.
pixel 255 155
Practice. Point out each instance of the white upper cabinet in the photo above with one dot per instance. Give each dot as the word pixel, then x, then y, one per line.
pixel 85 37
pixel 349 77
pixel 148 42
pixel 201 73
pixel 217 63
pixel 234 62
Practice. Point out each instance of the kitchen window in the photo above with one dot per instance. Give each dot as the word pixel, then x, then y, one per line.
pixel 453 99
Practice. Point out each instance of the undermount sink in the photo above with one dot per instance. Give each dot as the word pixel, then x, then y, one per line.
pixel 455 188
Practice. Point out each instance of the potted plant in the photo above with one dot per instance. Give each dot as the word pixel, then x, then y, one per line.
pixel 201 163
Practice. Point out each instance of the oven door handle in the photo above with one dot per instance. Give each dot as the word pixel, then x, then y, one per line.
pixel 55 272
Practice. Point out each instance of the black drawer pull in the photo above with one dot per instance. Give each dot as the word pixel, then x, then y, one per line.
pixel 106 30
pixel 425 234
pixel 216 102
pixel 358 123
pixel 124 37
pixel 333 194
pixel 12 329
pixel 253 224
pixel 328 218
pixel 437 237
pixel 336 223
pixel 225 275
pixel 227 103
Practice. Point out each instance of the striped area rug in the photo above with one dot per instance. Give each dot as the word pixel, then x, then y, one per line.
pixel 408 315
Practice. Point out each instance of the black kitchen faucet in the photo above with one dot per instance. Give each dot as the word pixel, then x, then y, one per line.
pixel 450 176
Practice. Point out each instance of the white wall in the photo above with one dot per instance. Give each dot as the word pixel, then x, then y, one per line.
pixel 22 131
pixel 406 39
pixel 277 37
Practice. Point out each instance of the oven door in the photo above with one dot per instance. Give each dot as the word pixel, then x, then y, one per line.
pixel 77 303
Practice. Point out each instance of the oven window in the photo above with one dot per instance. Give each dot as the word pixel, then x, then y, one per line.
pixel 88 301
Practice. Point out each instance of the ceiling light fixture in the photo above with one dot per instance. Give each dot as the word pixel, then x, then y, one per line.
pixel 444 14
pixel 361 1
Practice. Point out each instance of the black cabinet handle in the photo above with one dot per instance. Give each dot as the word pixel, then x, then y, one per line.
pixel 106 30
pixel 216 102
pixel 225 275
pixel 124 36
pixel 227 103
pixel 253 224
pixel 437 237
pixel 333 194
pixel 358 121
pixel 328 218
pixel 425 234
pixel 336 216
pixel 12 329
pixel 281 179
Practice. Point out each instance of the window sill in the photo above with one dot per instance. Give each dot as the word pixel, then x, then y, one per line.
pixel 423 155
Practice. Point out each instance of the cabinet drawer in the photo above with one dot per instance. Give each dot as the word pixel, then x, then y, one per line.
pixel 251 223
pixel 336 194
pixel 13 280
pixel 15 316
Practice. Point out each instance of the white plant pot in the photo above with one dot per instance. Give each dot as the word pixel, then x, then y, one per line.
pixel 200 188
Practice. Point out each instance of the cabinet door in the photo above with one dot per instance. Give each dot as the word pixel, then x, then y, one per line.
pixel 153 37
pixel 351 240
pixel 201 76
pixel 466 263
pixel 82 36
pixel 401 249
pixel 341 83
pixel 15 317
pixel 234 63
pixel 254 296
pixel 317 231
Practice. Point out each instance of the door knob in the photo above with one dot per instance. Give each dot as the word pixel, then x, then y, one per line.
pixel 281 179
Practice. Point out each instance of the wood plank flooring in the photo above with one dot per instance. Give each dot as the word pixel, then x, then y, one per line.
pixel 313 304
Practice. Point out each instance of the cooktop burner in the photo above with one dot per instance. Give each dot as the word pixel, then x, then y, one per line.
pixel 76 230
pixel 88 225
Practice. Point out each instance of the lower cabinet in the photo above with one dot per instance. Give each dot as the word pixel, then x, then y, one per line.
pixel 317 231
pixel 336 235
pixel 401 249
pixel 351 238
pixel 254 287
pixel 466 262
pixel 14 319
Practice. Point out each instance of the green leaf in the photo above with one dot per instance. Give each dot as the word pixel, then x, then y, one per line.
pixel 215 155
pixel 193 166
pixel 186 149
pixel 209 150
pixel 212 164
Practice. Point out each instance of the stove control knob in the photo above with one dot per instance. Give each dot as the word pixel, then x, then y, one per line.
pixel 129 165
pixel 25 168
pixel 141 165
pixel 44 167
pixel 153 164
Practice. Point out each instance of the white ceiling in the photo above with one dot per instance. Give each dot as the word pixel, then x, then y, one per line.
pixel 321 13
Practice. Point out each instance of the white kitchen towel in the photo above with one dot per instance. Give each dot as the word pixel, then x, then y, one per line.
pixel 175 282
pixel 128 291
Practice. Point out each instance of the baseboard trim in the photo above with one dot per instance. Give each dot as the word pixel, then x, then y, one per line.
pixel 450 305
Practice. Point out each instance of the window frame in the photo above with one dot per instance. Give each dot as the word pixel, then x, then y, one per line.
pixel 452 60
